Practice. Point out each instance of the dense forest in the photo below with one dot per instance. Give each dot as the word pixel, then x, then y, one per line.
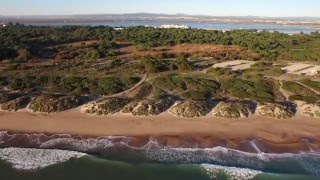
pixel 21 43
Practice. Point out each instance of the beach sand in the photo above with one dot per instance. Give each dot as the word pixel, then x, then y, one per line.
pixel 278 135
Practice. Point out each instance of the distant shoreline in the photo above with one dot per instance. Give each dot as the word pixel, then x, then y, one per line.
pixel 292 28
pixel 280 21
pixel 66 20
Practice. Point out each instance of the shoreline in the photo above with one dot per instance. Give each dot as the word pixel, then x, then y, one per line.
pixel 273 135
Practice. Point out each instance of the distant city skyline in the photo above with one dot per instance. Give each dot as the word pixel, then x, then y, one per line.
pixel 269 8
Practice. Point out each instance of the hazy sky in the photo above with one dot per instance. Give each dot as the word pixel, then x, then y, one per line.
pixel 205 7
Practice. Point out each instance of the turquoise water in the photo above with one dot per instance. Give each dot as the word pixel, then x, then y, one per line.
pixel 92 167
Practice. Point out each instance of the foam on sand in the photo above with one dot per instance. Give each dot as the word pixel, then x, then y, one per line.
pixel 33 159
pixel 233 173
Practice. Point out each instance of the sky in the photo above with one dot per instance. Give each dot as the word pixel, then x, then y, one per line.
pixel 274 8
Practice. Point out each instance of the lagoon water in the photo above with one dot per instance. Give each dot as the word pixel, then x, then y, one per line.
pixel 291 29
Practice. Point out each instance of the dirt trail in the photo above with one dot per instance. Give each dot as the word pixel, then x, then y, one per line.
pixel 310 88
pixel 285 93
pixel 128 90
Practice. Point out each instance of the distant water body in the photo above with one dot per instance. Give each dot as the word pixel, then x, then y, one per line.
pixel 290 29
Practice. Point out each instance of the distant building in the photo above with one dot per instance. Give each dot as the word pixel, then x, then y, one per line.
pixel 169 26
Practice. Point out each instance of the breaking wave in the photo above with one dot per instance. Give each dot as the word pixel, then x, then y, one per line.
pixel 153 151
pixel 233 173
pixel 33 159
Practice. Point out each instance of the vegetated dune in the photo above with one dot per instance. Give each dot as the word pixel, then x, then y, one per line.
pixel 106 106
pixel 142 91
pixel 16 104
pixel 276 110
pixel 233 109
pixel 149 107
pixel 191 108
pixel 311 110
pixel 5 97
pixel 54 103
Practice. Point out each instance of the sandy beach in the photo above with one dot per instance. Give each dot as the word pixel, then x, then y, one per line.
pixel 279 135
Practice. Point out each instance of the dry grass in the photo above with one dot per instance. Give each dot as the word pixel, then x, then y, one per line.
pixel 191 50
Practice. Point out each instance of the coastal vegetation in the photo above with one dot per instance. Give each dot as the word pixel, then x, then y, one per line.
pixel 106 106
pixel 300 92
pixel 258 89
pixel 71 84
pixel 48 103
pixel 191 109
pixel 276 110
pixel 146 71
pixel 187 87
pixel 22 43
pixel 234 109
pixel 313 84
pixel 16 104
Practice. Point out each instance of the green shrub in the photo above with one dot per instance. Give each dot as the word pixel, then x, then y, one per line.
pixel 258 89
pixel 184 64
pixel 96 86
pixel 297 89
pixel 153 65
pixel 187 87
pixel 307 99
pixel 313 84
pixel 195 95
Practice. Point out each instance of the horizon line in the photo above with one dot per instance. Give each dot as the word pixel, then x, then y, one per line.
pixel 155 13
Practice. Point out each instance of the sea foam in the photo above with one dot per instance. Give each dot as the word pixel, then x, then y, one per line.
pixel 33 159
pixel 233 173
pixel 307 162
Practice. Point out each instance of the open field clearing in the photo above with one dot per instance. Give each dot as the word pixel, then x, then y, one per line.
pixel 310 71
pixel 130 51
pixel 235 65
pixel 302 69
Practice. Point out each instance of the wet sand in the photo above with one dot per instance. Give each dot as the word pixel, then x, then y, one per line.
pixel 290 135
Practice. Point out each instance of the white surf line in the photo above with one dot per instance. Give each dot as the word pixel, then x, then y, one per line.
pixel 34 159
pixel 233 173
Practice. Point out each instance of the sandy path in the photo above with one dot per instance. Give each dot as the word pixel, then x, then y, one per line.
pixel 310 88
pixel 285 93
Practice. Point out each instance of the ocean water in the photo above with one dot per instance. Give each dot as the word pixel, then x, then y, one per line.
pixel 65 157
pixel 94 167
pixel 291 29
